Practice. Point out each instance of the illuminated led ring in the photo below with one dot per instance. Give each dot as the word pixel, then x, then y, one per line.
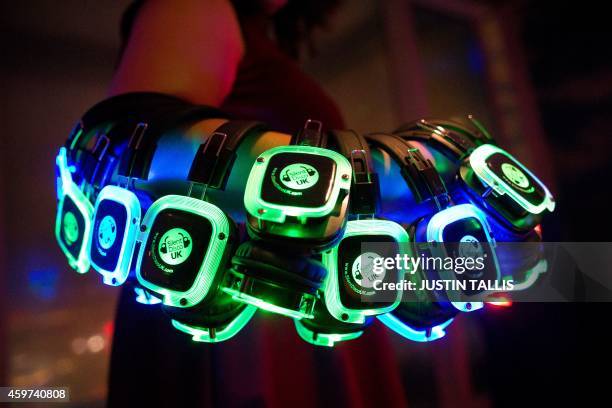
pixel 333 301
pixel 323 339
pixel 208 335
pixel 212 259
pixel 401 328
pixel 66 188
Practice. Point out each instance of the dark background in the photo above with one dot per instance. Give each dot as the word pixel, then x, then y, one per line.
pixel 537 73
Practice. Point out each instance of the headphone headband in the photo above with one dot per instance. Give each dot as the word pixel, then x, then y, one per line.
pixel 136 159
pixel 310 135
pixel 453 136
pixel 215 157
pixel 122 115
pixel 419 172
pixel 365 191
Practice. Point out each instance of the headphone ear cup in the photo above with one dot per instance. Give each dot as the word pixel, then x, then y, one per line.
pixel 257 259
pixel 163 248
pixel 324 322
pixel 217 313
pixel 186 242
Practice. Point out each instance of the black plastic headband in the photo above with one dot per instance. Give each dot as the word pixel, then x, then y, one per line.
pixel 216 156
pixel 121 113
pixel 419 172
pixel 136 159
pixel 469 127
pixel 310 135
pixel 452 140
pixel 365 191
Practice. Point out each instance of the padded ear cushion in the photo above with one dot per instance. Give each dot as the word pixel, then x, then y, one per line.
pixel 256 258
pixel 218 312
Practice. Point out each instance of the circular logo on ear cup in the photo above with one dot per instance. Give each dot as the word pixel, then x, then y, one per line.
pixel 363 272
pixel 515 175
pixel 299 176
pixel 70 227
pixel 469 247
pixel 175 246
pixel 107 232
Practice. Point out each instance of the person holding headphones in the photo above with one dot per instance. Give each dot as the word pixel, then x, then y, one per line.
pixel 217 180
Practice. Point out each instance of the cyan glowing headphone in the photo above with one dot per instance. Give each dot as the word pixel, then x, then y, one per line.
pixel 492 177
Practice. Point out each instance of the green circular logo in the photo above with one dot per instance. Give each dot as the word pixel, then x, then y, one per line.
pixel 516 176
pixel 363 270
pixel 70 227
pixel 299 176
pixel 107 232
pixel 174 247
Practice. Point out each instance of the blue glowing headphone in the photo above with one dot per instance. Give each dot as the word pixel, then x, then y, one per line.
pixel 86 163
pixel 445 221
pixel 490 176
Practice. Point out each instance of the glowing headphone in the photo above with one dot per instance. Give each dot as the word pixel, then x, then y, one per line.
pixel 348 298
pixel 86 161
pixel 446 223
pixel 298 211
pixel 296 201
pixel 349 289
pixel 117 213
pixel 186 243
pixel 325 330
pixel 299 192
pixel 73 219
pixel 491 176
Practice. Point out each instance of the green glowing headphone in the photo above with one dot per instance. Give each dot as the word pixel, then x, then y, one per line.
pixel 493 177
pixel 349 288
pixel 185 244
pixel 299 192
pixel 346 304
pixel 296 202
pixel 448 229
pixel 185 241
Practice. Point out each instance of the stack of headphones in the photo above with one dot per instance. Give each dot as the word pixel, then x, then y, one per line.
pixel 311 207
